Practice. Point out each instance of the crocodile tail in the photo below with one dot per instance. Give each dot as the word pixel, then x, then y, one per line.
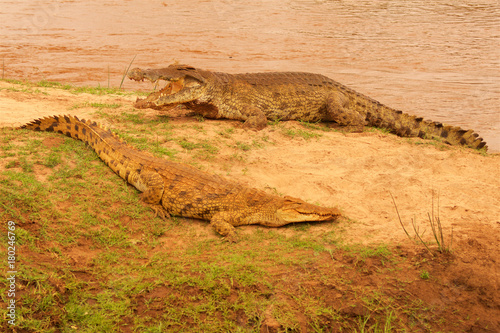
pixel 406 125
pixel 87 131
pixel 108 146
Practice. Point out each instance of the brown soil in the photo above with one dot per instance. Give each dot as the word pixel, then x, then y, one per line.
pixel 357 173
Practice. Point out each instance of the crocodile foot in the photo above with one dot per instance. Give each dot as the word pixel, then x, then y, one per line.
pixel 256 119
pixel 232 238
pixel 160 211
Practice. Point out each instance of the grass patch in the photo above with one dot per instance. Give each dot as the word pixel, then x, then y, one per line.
pixel 243 146
pixel 31 87
pixel 204 149
pixel 23 89
pixel 424 275
pixel 50 84
pixel 96 105
pixel 315 126
pixel 305 134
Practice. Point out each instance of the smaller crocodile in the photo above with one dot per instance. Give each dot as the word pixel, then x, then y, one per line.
pixel 256 98
pixel 171 188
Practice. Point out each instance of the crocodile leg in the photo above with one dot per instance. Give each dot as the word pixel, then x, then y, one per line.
pixel 338 110
pixel 152 186
pixel 255 118
pixel 220 223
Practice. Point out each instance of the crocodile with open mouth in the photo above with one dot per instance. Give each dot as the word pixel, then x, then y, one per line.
pixel 256 98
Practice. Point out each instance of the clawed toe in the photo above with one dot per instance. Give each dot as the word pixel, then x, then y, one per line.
pixel 232 238
pixel 160 212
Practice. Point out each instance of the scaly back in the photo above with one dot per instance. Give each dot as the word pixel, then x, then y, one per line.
pixel 119 156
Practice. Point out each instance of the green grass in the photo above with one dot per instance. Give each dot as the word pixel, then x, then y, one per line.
pixel 300 133
pixel 243 146
pixel 96 105
pixel 311 130
pixel 50 84
pixel 424 275
pixel 203 150
pixel 315 126
pixel 32 87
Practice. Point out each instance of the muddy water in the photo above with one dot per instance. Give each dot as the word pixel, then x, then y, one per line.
pixel 438 59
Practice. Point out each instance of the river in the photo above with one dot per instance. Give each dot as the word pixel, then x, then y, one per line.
pixel 437 59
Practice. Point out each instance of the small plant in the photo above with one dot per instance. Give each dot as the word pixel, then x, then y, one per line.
pixel 436 227
pixel 424 275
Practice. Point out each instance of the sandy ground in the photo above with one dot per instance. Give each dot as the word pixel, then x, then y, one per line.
pixel 356 172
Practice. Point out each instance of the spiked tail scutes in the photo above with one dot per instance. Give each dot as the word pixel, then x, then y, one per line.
pixel 406 125
pixel 108 146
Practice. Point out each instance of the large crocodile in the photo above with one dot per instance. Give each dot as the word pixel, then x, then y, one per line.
pixel 256 98
pixel 171 188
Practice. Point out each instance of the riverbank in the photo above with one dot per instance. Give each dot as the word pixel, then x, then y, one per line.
pixel 80 236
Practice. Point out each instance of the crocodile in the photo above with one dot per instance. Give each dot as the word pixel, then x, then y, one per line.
pixel 171 188
pixel 256 98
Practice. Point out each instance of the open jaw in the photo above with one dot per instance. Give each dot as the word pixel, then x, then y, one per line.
pixel 180 87
pixel 151 101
